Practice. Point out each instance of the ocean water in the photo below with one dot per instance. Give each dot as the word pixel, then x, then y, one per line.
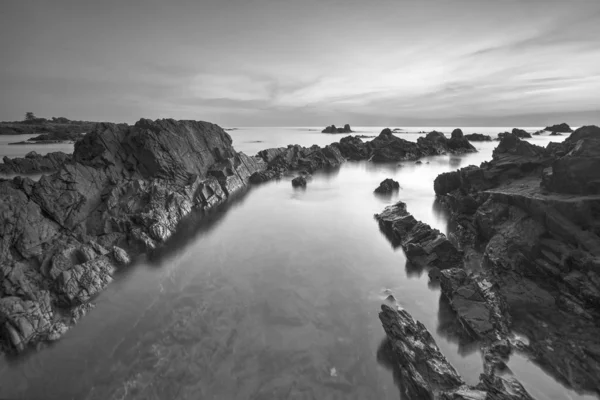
pixel 275 295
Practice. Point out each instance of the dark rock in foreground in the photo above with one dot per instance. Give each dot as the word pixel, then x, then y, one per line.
pixel 531 214
pixel 387 186
pixel 559 128
pixel 425 373
pixel 126 189
pixel 478 137
pixel 333 129
pixel 423 245
pixel 34 163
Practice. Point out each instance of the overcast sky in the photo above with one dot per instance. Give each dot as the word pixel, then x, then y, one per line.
pixel 303 62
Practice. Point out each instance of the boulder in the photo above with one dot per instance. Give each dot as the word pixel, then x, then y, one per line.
pixel 520 133
pixel 559 128
pixel 387 186
pixel 299 181
pixel 457 134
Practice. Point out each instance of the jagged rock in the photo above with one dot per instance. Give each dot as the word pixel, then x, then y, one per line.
pixel 531 215
pixel 478 137
pixel 24 321
pixel 423 245
pixel 425 373
pixel 559 128
pixel 299 181
pixel 353 148
pixel 520 133
pixel 34 163
pixel 387 186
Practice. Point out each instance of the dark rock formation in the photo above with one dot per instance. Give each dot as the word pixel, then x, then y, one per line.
pixel 333 129
pixel 57 136
pixel 478 137
pixel 423 245
pixel 532 215
pixel 425 373
pixel 34 163
pixel 299 181
pixel 126 189
pixel 387 186
pixel 388 148
pixel 520 133
pixel 559 128
pixel 457 134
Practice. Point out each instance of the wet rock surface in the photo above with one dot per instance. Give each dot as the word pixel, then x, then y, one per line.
pixel 387 186
pixel 34 163
pixel 126 189
pixel 425 373
pixel 531 216
pixel 423 245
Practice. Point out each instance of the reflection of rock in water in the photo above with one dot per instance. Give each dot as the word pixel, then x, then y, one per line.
pixel 455 161
pixel 388 359
pixel 450 327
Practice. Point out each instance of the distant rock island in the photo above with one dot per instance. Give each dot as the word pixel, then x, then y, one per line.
pixel 559 128
pixel 333 129
pixel 53 130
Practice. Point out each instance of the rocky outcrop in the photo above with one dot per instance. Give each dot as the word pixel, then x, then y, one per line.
pixel 423 245
pixel 531 215
pixel 389 148
pixel 299 181
pixel 425 373
pixel 520 133
pixel 34 163
pixel 387 186
pixel 333 129
pixel 478 137
pixel 457 134
pixel 559 128
pixel 126 189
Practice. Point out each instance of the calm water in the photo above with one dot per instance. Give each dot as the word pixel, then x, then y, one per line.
pixel 274 296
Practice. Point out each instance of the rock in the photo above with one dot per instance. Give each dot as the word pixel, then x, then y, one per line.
pixel 425 373
pixel 423 245
pixel 387 186
pixel 299 181
pixel 478 137
pixel 120 256
pixel 333 129
pixel 436 136
pixel 520 133
pixel 419 162
pixel 457 134
pixel 529 217
pixel 559 128
pixel 34 163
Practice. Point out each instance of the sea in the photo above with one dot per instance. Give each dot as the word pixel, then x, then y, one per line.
pixel 275 295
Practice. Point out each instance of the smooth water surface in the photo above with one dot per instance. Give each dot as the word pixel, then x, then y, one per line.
pixel 275 295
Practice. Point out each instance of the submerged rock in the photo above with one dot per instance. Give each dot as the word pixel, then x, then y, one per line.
pixel 387 186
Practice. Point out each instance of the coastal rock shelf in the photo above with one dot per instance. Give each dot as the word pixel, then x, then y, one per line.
pixel 33 162
pixel 124 192
pixel 532 215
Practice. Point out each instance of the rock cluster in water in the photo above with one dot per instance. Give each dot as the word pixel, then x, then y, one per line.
pixel 333 129
pixel 387 186
pixel 528 219
pixel 123 192
pixel 559 128
pixel 478 137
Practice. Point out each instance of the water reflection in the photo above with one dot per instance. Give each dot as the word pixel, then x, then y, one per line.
pixel 452 329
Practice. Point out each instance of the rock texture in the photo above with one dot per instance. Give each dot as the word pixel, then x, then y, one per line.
pixel 478 137
pixel 387 186
pixel 34 163
pixel 333 129
pixel 531 216
pixel 425 373
pixel 559 128
pixel 126 188
pixel 423 245
pixel 389 148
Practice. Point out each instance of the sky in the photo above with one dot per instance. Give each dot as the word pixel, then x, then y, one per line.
pixel 303 62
